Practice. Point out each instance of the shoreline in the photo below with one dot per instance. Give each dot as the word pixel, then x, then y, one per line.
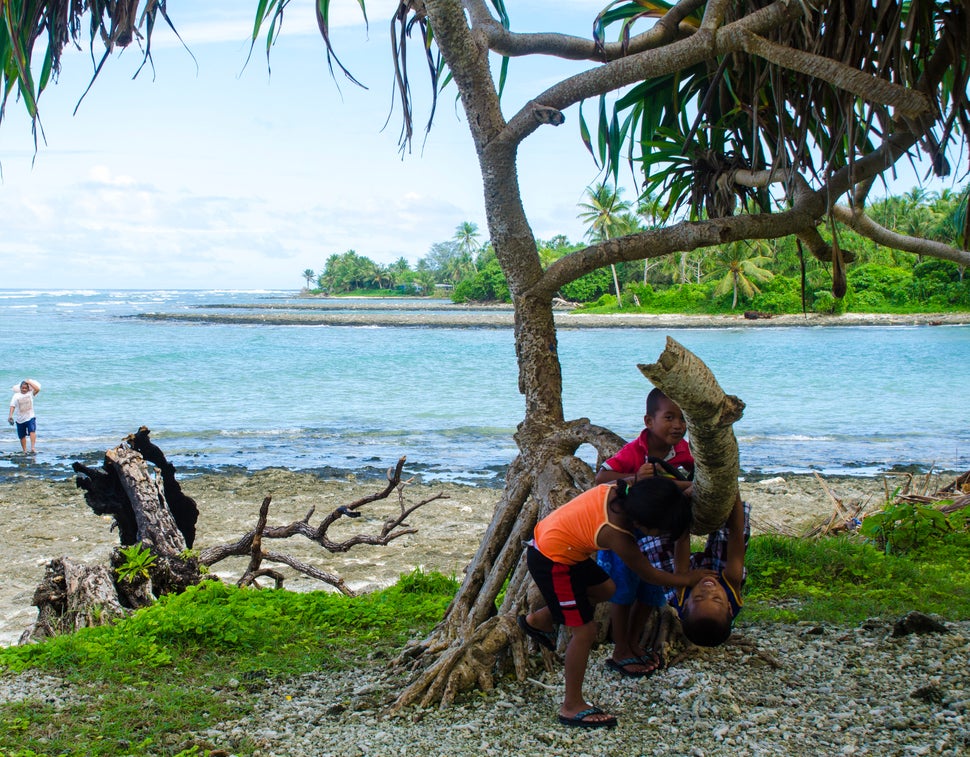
pixel 365 313
pixel 41 520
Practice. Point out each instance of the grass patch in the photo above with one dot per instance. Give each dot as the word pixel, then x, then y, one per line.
pixel 845 579
pixel 150 681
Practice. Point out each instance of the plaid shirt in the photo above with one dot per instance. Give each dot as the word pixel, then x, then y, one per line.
pixel 659 550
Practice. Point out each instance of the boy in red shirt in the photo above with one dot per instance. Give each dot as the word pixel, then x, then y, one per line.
pixel 659 450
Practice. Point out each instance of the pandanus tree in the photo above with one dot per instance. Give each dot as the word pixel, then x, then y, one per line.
pixel 753 119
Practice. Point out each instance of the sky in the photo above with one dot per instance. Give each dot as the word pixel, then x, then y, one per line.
pixel 208 171
pixel 211 172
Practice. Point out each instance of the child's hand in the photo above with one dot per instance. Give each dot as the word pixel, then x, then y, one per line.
pixel 647 470
pixel 697 575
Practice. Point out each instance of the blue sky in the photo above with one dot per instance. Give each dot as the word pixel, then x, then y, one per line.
pixel 232 177
pixel 227 176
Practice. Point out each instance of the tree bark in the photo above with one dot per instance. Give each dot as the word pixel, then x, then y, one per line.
pixel 70 597
pixel 156 526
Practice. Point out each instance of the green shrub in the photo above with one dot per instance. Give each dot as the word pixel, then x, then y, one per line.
pixel 588 288
pixel 824 301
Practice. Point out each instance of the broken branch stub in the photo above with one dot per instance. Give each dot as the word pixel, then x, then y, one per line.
pixel 710 415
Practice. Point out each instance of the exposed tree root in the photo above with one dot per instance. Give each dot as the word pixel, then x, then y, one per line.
pixel 465 649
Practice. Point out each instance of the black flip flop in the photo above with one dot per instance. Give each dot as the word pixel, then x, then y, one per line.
pixel 545 639
pixel 579 719
pixel 620 666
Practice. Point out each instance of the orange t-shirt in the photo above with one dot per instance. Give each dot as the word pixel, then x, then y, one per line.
pixel 568 534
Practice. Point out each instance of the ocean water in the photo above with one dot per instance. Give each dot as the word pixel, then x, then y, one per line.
pixel 337 399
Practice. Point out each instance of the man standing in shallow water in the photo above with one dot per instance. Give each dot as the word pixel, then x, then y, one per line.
pixel 22 413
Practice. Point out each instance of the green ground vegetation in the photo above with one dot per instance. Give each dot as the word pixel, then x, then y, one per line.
pixel 150 682
pixel 773 277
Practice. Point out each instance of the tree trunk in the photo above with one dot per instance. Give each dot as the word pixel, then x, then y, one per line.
pixel 73 596
pixel 467 647
pixel 710 413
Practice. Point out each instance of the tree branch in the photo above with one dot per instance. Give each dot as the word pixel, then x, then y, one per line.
pixel 252 543
pixel 650 63
pixel 569 47
pixel 910 103
pixel 867 227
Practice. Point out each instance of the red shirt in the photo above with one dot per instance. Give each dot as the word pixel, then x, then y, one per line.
pixel 634 454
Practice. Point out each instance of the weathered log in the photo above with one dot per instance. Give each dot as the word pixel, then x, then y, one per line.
pixel 156 526
pixel 183 507
pixel 710 415
pixel 105 495
pixel 72 596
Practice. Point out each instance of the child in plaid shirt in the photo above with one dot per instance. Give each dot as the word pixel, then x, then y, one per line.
pixel 708 609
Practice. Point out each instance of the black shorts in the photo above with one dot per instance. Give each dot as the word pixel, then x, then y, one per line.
pixel 565 587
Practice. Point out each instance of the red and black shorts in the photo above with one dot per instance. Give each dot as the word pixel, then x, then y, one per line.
pixel 565 587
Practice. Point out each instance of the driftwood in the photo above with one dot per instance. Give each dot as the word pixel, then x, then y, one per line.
pixel 183 508
pixel 73 596
pixel 252 543
pixel 847 517
pixel 143 510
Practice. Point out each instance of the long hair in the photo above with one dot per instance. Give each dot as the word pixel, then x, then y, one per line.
pixel 655 503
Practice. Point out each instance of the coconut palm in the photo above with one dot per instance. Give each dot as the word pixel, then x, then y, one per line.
pixel 741 268
pixel 308 276
pixel 466 235
pixel 608 217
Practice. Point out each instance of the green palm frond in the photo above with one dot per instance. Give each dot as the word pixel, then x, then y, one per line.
pixel 748 112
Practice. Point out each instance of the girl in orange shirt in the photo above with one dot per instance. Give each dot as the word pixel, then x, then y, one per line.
pixel 561 561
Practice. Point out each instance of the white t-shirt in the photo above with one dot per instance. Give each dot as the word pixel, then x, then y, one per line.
pixel 23 406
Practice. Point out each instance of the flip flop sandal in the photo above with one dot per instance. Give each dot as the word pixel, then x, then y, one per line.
pixel 579 719
pixel 620 666
pixel 652 658
pixel 545 639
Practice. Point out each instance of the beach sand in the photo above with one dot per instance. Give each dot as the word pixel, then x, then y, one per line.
pixel 43 520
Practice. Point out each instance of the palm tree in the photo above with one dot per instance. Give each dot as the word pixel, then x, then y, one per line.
pixel 604 212
pixel 308 275
pixel 466 235
pixel 741 263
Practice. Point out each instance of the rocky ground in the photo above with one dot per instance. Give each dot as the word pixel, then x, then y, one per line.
pixel 776 690
pixel 362 313
pixel 799 690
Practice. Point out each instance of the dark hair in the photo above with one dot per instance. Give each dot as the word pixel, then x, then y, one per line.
pixel 706 631
pixel 655 502
pixel 653 401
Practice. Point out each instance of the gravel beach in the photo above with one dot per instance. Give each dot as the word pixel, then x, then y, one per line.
pixel 776 690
